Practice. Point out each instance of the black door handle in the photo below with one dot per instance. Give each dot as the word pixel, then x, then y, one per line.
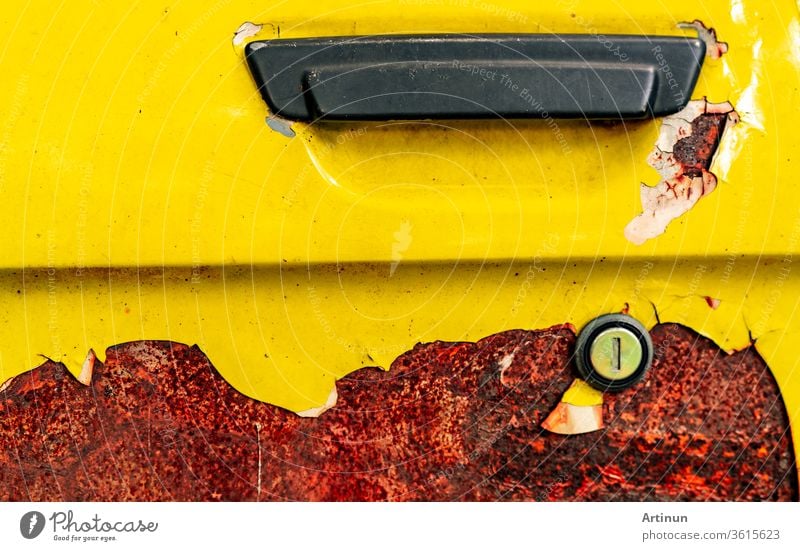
pixel 475 76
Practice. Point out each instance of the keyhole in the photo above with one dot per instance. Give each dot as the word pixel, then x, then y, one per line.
pixel 616 360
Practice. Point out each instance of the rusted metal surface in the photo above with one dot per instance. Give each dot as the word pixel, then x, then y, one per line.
pixel 450 421
pixel 695 152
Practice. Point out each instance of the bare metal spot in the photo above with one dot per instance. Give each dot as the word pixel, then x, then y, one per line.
pixel 85 376
pixel 245 31
pixel 683 154
pixel 7 384
pixel 569 419
pixel 504 364
pixel 316 412
pixel 714 48
pixel 402 240
pixel 281 126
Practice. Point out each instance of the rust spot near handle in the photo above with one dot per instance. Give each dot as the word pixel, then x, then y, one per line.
pixel 683 155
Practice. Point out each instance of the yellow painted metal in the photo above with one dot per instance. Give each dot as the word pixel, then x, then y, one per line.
pixel 143 197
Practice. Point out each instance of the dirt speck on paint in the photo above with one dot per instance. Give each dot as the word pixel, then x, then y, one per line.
pixel 683 155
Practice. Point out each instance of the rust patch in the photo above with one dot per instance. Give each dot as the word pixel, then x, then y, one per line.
pixel 440 425
pixel 683 155
pixel 695 152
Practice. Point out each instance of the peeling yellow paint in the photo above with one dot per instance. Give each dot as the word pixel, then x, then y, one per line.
pixel 678 191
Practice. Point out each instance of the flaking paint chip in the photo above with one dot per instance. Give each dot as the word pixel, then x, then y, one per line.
pixel 579 411
pixel 683 154
pixel 6 384
pixel 568 419
pixel 85 376
pixel 714 48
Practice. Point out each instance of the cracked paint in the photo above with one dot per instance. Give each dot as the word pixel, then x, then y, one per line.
pixel 316 412
pixel 682 155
